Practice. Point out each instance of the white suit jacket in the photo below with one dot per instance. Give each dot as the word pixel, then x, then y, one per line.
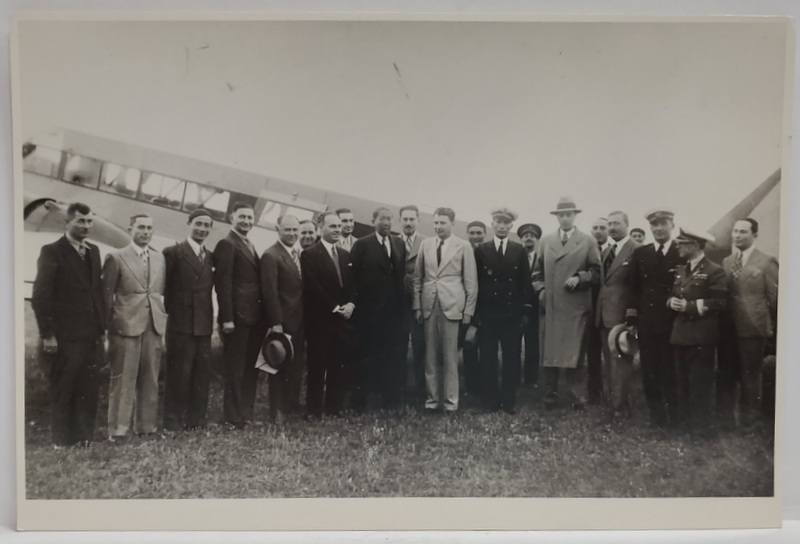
pixel 454 282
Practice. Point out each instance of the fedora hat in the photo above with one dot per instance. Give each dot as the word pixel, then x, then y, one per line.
pixel 565 204
pixel 621 342
pixel 276 352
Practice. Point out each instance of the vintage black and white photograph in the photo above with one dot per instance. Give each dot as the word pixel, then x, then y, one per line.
pixel 399 259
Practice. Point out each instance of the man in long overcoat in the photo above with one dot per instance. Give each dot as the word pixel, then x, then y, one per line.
pixel 566 268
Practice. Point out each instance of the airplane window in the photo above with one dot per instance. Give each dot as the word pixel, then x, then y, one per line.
pixel 300 213
pixel 269 217
pixel 120 179
pixel 82 170
pixel 215 200
pixel 162 190
pixel 43 161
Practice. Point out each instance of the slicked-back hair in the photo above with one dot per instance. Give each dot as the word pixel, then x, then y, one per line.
pixel 622 214
pixel 78 207
pixel 239 205
pixel 753 224
pixel 323 215
pixel 283 218
pixel 446 211
pixel 340 211
pixel 377 212
pixel 138 216
pixel 409 207
pixel 304 221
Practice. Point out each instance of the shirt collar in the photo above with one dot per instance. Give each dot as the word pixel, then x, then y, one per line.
pixel 289 249
pixel 74 243
pixel 569 233
pixel 621 242
pixel 194 245
pixel 139 250
pixel 667 245
pixel 497 242
pixel 411 239
pixel 240 235
pixel 746 253
pixel 694 262
pixel 328 246
pixel 603 246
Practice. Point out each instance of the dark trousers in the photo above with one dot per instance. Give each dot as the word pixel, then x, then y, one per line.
pixel 594 364
pixel 415 332
pixel 284 387
pixel 531 335
pixel 187 378
pixel 696 376
pixel 472 369
pixel 381 366
pixel 507 333
pixel 328 372
pixel 241 349
pixel 728 373
pixel 659 377
pixel 74 383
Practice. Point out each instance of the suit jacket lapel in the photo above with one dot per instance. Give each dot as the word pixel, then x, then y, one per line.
pixel 134 264
pixel 190 256
pixel 74 259
pixel 449 252
pixel 287 258
pixel 620 257
pixel 242 245
pixel 569 247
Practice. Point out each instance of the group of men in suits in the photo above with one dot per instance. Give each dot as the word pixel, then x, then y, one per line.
pixel 350 307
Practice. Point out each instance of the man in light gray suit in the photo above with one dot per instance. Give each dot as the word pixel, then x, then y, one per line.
pixel 614 297
pixel 753 290
pixel 133 285
pixel 445 294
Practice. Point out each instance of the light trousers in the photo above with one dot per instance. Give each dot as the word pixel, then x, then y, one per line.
pixel 441 360
pixel 133 391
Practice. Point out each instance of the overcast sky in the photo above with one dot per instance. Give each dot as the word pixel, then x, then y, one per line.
pixel 619 116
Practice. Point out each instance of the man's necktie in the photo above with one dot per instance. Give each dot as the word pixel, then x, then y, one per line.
pixel 564 239
pixel 736 269
pixel 500 251
pixel 296 259
pixel 146 261
pixel 386 246
pixel 202 255
pixel 612 252
pixel 409 245
pixel 82 251
pixel 660 254
pixel 439 253
pixel 251 247
pixel 335 257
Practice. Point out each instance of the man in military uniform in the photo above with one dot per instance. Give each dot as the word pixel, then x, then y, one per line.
pixel 652 276
pixel 699 293
pixel 504 309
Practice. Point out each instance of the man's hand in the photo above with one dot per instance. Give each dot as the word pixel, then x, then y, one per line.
pixel 227 327
pixel 572 283
pixel 418 316
pixel 277 328
pixel 50 344
pixel 677 304
pixel 347 310
pixel 466 319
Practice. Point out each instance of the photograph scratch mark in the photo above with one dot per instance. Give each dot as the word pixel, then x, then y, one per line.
pixel 400 80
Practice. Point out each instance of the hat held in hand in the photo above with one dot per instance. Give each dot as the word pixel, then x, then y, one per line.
pixel 276 352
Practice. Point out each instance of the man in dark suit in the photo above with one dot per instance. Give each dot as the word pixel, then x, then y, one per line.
pixel 379 270
pixel 282 294
pixel 613 300
pixel 594 343
pixel 753 304
pixel 530 234
pixel 409 217
pixel 698 295
pixel 190 321
pixel 505 303
pixel 652 274
pixel 328 294
pixel 237 279
pixel 308 234
pixel 476 232
pixel 68 303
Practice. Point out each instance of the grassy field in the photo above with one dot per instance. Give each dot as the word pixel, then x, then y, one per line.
pixel 534 453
